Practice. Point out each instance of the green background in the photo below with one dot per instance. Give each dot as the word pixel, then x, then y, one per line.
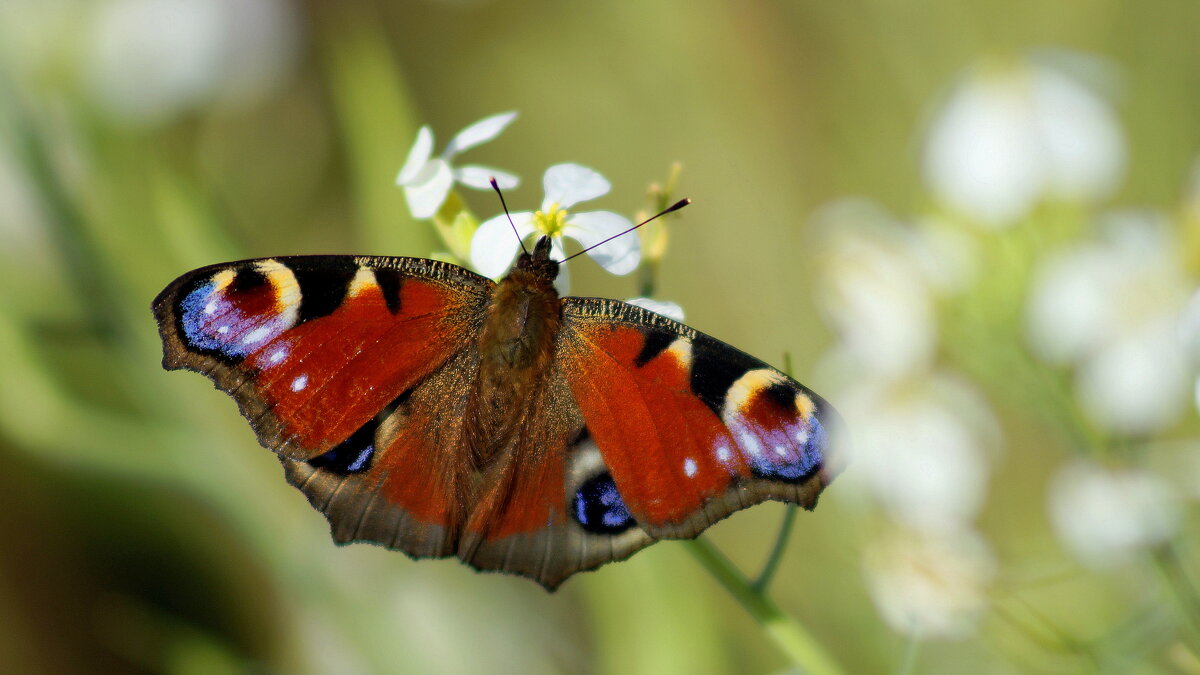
pixel 143 527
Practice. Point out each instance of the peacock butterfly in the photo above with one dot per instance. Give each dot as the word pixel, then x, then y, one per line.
pixel 428 409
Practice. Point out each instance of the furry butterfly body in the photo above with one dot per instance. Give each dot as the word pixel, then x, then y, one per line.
pixel 428 409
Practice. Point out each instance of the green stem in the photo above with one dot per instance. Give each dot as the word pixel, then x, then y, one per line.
pixel 910 655
pixel 1187 601
pixel 788 634
pixel 785 531
pixel 648 282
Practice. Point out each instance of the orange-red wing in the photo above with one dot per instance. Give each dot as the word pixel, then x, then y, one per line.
pixel 313 347
pixel 690 428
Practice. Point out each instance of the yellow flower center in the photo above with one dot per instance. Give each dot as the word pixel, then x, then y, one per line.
pixel 551 221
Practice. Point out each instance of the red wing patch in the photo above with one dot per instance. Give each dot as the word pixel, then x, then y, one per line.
pixel 324 378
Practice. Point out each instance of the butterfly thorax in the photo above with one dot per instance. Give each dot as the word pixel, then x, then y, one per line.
pixel 516 348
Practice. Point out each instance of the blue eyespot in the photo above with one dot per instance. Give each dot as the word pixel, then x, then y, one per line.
pixel 599 507
pixel 213 320
pixel 792 463
pixel 353 455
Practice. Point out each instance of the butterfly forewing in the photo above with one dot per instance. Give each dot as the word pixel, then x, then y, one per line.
pixel 313 347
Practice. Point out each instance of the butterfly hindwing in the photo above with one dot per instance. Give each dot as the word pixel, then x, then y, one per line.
pixel 392 482
pixel 689 428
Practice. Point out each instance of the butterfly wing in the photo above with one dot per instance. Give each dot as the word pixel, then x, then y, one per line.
pixel 347 367
pixel 689 429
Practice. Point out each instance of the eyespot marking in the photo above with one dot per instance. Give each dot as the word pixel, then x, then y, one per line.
pixel 235 311
pixel 599 508
pixel 354 455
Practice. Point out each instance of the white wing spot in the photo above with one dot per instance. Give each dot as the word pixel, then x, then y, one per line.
pixel 278 355
pixel 211 307
pixel 750 441
pixel 723 454
pixel 223 330
pixel 802 436
pixel 256 335
pixel 781 451
pixel 300 383
pixel 689 467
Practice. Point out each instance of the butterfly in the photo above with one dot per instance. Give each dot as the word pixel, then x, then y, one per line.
pixel 426 408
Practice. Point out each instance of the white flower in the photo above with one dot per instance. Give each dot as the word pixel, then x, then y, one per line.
pixel 873 292
pixel 920 449
pixel 930 586
pixel 1137 383
pixel 1104 515
pixel 427 181
pixel 665 307
pixel 495 245
pixel 1008 136
pixel 1115 308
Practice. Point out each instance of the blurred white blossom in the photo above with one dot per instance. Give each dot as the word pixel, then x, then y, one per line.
pixel 146 60
pixel 1105 514
pixel 1114 307
pixel 427 180
pixel 665 307
pixel 930 586
pixel 1008 136
pixel 920 448
pixel 495 245
pixel 872 290
pixel 1189 327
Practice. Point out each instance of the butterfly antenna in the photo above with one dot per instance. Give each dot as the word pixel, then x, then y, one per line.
pixel 496 187
pixel 674 207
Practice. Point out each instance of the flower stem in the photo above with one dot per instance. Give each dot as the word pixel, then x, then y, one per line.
pixel 788 634
pixel 910 655
pixel 785 531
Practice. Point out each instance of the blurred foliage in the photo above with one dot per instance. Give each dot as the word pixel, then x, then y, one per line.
pixel 145 530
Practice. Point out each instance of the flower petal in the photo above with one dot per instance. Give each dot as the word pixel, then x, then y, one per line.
pixel 476 176
pixel 664 307
pixel 480 132
pixel 619 256
pixel 417 156
pixel 569 184
pixel 494 245
pixel 427 191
